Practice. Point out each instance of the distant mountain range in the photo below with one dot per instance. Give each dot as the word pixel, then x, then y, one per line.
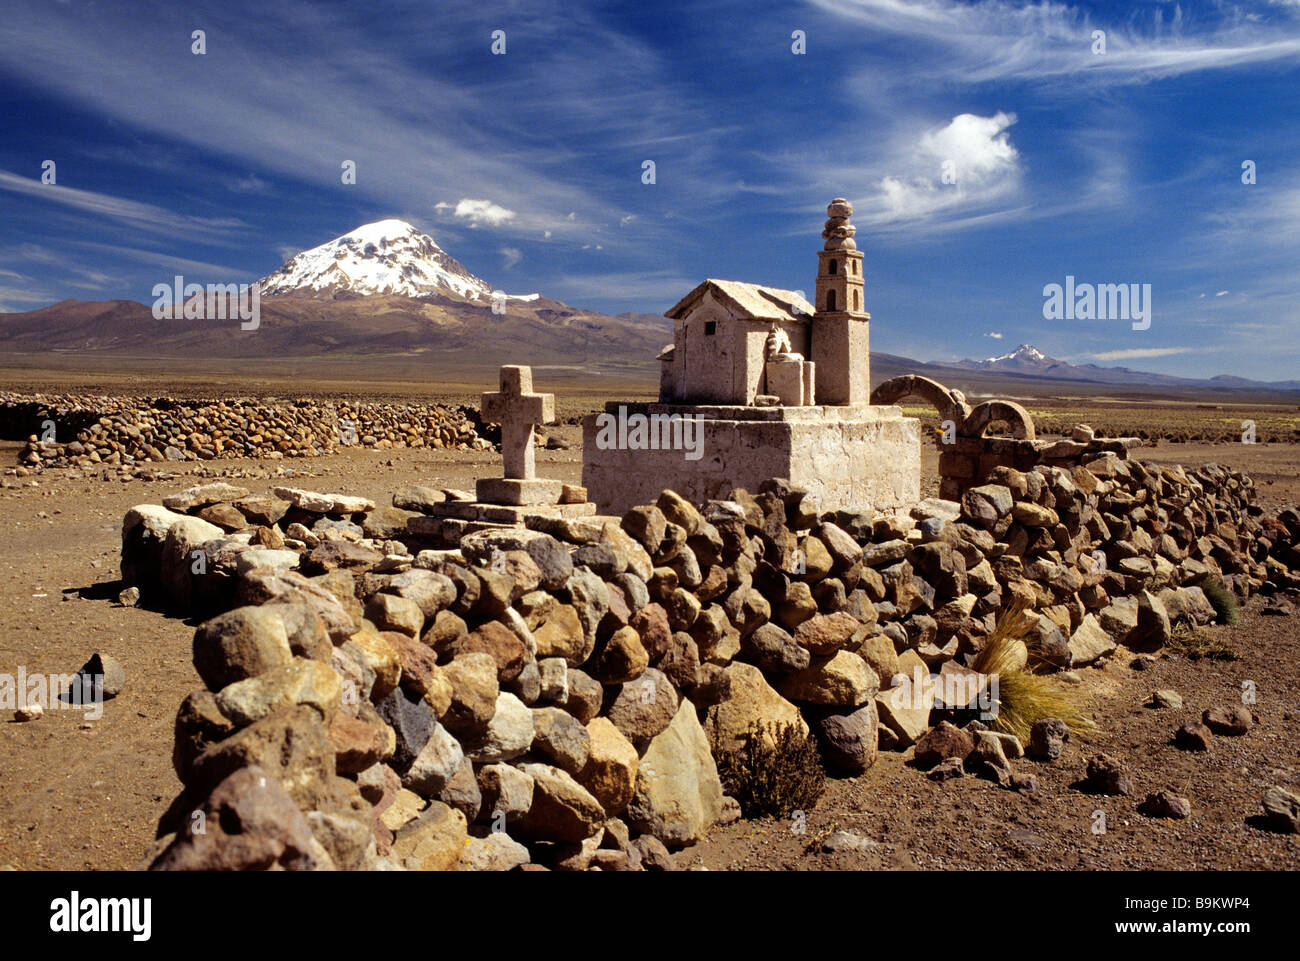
pixel 387 291
pixel 1028 361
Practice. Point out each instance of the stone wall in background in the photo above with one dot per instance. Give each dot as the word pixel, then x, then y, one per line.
pixel 73 430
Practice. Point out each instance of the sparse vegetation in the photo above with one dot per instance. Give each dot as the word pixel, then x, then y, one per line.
pixel 775 771
pixel 1023 695
pixel 1194 643
pixel 1221 599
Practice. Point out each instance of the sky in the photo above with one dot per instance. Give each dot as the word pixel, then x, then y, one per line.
pixel 990 148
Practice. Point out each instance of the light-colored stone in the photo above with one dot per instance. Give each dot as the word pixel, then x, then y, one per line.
pixel 678 794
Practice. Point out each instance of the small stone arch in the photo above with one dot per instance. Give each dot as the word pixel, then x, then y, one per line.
pixel 1022 425
pixel 951 404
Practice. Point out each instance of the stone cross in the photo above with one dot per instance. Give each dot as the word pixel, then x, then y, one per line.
pixel 517 409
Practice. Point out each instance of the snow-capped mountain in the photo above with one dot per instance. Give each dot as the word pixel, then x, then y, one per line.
pixel 386 257
pixel 1025 359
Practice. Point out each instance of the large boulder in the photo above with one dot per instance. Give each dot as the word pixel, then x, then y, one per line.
pixel 678 793
pixel 753 704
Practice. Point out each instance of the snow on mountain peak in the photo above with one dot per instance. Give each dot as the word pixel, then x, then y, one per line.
pixel 386 257
pixel 1025 352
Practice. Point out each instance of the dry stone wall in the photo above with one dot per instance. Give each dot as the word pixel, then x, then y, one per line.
pixel 70 430
pixel 559 696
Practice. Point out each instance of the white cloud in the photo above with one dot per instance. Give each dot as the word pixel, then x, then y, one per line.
pixel 992 40
pixel 144 216
pixel 996 335
pixel 510 256
pixel 477 212
pixel 1136 353
pixel 1222 293
pixel 967 165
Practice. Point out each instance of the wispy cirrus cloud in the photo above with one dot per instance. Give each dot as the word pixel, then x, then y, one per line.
pixel 1000 40
pixel 143 216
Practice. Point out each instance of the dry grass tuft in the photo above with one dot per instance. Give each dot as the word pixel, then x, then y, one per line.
pixel 1024 696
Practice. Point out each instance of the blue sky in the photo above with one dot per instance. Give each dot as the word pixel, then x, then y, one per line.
pixel 1115 167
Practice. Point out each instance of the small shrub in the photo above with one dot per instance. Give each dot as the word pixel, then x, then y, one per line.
pixel 1221 599
pixel 1194 644
pixel 774 772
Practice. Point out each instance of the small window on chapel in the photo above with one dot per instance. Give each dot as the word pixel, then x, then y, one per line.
pixel 710 328
pixel 830 300
pixel 856 305
pixel 855 267
pixel 832 267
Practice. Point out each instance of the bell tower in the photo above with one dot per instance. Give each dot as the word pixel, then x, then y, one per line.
pixel 840 325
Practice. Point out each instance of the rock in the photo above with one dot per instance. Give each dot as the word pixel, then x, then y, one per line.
pixel 826 633
pixel 496 852
pixel 317 503
pixel 239 644
pixel 622 659
pixel 32 711
pixel 1107 774
pixel 1166 804
pixel 359 742
pixel 509 733
pixel 101 677
pixel 261 509
pixel 1047 739
pixel 1193 737
pixel 586 695
pixel 1033 515
pixel 1153 628
pixel 848 842
pixel 1228 721
pixel 202 495
pixel 1165 699
pixel 651 853
pixel 849 742
pixel 678 793
pixel 753 703
pixel 644 707
pixel 507 793
pixel 610 771
pixel 841 680
pixel 339 555
pixel 647 525
pixel 388 612
pixel 988 759
pixel 553 681
pixel 905 707
pixel 433 841
pixel 1282 810
pixel 942 742
pixel 1120 618
pixel 1023 783
pixel 462 792
pixel 508 652
pixel 292 746
pixel 249 822
pixel 438 761
pixel 562 635
pixel 681 662
pixel 562 809
pixel 773 650
pixel 129 597
pixel 412 721
pixel 379 657
pixel 301 681
pixel 1090 643
pixel 561 738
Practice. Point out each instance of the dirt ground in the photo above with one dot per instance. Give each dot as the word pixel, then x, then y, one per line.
pixel 83 794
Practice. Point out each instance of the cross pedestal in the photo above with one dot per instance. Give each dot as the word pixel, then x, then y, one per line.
pixel 518 410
